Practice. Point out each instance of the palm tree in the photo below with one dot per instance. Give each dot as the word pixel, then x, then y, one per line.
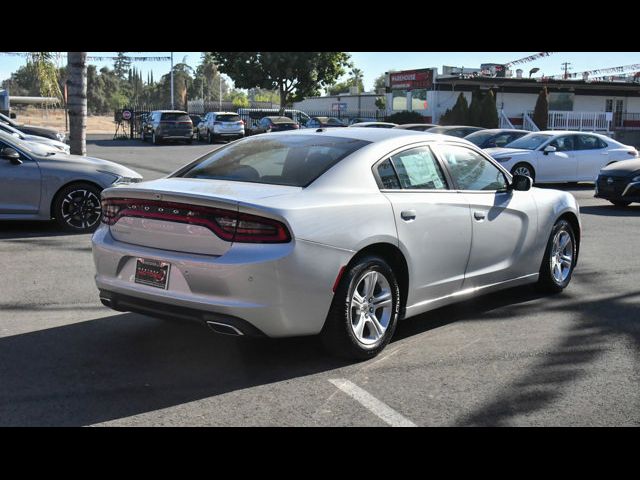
pixel 77 101
pixel 357 75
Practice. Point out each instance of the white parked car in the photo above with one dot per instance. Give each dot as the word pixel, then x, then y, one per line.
pixel 556 156
pixel 53 145
pixel 220 126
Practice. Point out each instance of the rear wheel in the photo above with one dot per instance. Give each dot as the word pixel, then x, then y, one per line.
pixel 155 139
pixel 364 311
pixel 524 169
pixel 142 136
pixel 77 208
pixel 559 258
pixel 210 137
pixel 620 203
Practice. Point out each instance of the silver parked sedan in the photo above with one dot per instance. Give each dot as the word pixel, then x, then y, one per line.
pixel 38 182
pixel 337 232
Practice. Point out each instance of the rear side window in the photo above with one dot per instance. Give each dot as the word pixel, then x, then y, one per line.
pixel 388 176
pixel 228 118
pixel 295 160
pixel 175 117
pixel 417 168
pixel 589 142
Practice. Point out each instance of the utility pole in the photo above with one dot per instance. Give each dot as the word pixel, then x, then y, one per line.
pixel 566 70
pixel 172 104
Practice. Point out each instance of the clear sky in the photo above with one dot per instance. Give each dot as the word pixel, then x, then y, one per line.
pixel 375 63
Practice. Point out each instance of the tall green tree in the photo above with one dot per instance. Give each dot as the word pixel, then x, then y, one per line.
pixel 475 109
pixel 293 74
pixel 121 65
pixel 541 110
pixel 357 79
pixel 460 111
pixel 489 111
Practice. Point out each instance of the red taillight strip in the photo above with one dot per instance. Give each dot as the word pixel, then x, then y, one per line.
pixel 208 217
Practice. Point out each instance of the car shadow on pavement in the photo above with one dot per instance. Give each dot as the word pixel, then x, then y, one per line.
pixel 610 210
pixel 15 229
pixel 601 324
pixel 127 364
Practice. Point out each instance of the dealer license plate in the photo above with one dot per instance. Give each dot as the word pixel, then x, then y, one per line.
pixel 152 272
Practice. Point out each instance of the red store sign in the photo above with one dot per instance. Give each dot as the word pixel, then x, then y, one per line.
pixel 412 79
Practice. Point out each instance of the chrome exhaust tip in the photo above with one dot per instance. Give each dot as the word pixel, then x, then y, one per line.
pixel 223 328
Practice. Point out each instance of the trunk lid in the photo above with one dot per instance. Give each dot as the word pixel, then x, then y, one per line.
pixel 184 214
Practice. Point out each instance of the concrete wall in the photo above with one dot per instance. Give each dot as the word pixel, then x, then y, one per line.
pixel 324 104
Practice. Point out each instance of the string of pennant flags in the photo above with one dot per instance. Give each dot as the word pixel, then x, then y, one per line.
pixel 528 59
pixel 601 71
pixel 100 59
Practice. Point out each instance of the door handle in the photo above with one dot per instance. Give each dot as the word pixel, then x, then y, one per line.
pixel 478 215
pixel 408 215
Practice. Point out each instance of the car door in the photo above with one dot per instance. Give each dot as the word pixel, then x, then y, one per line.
pixel 20 185
pixel 558 166
pixel 592 154
pixel 504 221
pixel 432 221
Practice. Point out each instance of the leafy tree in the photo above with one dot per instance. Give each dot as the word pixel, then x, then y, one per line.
pixel 405 117
pixel 343 87
pixel 379 82
pixel 446 118
pixel 541 110
pixel 238 98
pixel 293 74
pixel 489 111
pixel 381 103
pixel 357 79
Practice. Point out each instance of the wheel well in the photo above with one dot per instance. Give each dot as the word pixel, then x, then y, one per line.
pixel 75 182
pixel 573 220
pixel 394 257
pixel 533 170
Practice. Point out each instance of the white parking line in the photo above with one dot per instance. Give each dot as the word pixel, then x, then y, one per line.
pixel 371 403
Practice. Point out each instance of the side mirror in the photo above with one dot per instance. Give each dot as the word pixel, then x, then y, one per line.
pixel 549 148
pixel 8 153
pixel 521 183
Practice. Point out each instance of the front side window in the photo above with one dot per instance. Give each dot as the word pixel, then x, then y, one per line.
pixel 471 171
pixel 530 141
pixel 417 168
pixel 564 144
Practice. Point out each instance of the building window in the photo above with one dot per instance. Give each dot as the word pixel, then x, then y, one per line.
pixel 419 99
pixel 399 99
pixel 561 101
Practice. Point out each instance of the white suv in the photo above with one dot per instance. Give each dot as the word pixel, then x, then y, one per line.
pixel 220 126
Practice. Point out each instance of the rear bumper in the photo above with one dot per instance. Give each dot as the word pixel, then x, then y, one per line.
pixel 280 290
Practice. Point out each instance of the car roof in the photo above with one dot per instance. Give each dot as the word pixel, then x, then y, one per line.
pixel 287 119
pixel 501 130
pixel 374 134
pixel 361 124
pixel 223 113
pixel 170 111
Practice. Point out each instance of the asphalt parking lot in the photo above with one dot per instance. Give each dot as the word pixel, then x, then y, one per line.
pixel 513 358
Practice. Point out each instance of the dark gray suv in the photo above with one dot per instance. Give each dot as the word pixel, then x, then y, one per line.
pixel 161 125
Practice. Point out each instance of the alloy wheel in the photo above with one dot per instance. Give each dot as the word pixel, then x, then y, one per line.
pixel 80 209
pixel 561 256
pixel 370 307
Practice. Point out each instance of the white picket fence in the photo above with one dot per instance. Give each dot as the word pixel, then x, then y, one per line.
pixel 580 121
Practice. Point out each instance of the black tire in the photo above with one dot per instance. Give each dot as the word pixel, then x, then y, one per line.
pixel 154 139
pixel 526 166
pixel 142 136
pixel 546 281
pixel 337 335
pixel 210 137
pixel 620 203
pixel 198 136
pixel 83 198
pixel 190 141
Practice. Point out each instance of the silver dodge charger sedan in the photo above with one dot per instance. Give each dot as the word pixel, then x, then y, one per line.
pixel 337 232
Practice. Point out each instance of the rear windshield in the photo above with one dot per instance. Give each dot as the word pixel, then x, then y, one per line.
pixel 228 118
pixel 295 160
pixel 530 141
pixel 281 120
pixel 175 117
pixel 478 138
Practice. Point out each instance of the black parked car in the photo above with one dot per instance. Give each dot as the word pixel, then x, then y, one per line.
pixel 324 122
pixel 275 124
pixel 619 183
pixel 161 125
pixel 455 130
pixel 32 130
pixel 495 137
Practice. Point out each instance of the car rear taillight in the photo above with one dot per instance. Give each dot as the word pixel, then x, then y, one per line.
pixel 296 126
pixel 229 225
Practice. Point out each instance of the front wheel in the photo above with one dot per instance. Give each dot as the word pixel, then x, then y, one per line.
pixel 155 139
pixel 364 311
pixel 524 169
pixel 77 208
pixel 559 258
